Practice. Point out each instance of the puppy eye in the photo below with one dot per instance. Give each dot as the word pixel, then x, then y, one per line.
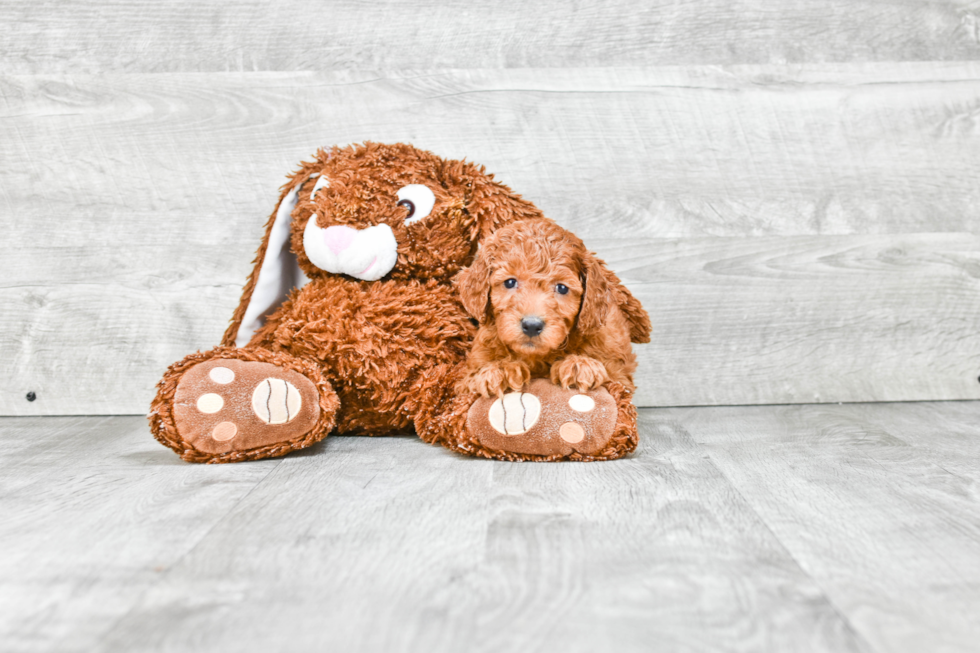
pixel 418 199
pixel 510 283
pixel 561 289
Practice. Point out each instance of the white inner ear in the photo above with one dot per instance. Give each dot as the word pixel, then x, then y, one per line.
pixel 278 275
pixel 322 182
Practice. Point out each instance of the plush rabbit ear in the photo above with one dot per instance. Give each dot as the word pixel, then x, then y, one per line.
pixel 275 274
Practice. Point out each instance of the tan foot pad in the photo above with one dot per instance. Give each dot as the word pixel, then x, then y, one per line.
pixel 231 405
pixel 544 420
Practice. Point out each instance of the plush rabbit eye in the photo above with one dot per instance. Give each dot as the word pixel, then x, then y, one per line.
pixel 561 289
pixel 418 199
pixel 510 283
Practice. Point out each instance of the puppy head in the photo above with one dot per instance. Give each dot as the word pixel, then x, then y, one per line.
pixel 376 211
pixel 537 283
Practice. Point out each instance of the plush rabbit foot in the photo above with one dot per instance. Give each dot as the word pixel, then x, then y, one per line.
pixel 242 405
pixel 545 420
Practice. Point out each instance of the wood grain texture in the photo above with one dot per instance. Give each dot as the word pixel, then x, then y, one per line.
pixel 368 544
pixel 812 528
pixel 701 151
pixel 94 511
pixel 806 319
pixel 878 503
pixel 735 321
pixel 650 553
pixel 141 36
pixel 132 205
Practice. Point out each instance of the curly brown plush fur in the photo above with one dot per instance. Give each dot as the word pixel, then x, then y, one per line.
pixel 381 349
pixel 363 182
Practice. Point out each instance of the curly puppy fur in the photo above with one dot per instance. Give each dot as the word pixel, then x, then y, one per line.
pixel 547 307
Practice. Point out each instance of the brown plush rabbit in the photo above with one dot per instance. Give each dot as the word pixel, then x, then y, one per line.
pixel 350 323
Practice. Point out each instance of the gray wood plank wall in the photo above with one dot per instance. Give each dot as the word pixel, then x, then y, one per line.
pixel 196 36
pixel 792 189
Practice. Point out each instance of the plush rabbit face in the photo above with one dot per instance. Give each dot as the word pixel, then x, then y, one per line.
pixel 387 211
pixel 373 212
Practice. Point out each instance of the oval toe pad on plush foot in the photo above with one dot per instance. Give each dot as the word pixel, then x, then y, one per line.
pixel 544 420
pixel 230 405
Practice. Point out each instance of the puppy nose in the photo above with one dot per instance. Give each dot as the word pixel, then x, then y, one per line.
pixel 532 326
pixel 338 238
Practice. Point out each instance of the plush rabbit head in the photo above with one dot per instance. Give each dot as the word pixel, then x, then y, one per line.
pixel 374 212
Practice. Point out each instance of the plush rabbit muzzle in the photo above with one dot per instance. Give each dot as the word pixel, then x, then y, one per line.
pixel 366 254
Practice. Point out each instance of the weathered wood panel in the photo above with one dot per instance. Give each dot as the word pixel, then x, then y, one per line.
pixel 806 319
pixel 768 150
pixel 878 503
pixel 736 321
pixel 131 207
pixel 812 528
pixel 94 512
pixel 393 545
pixel 141 36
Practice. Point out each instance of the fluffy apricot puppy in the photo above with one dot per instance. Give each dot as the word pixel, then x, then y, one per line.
pixel 548 311
pixel 551 365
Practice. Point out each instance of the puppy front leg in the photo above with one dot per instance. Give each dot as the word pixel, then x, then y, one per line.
pixel 494 379
pixel 579 372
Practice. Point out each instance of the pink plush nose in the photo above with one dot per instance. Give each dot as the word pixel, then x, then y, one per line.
pixel 338 238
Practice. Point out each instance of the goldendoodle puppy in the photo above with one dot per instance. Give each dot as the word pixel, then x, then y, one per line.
pixel 548 308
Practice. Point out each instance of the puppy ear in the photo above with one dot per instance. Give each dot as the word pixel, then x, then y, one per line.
pixel 631 307
pixel 596 296
pixel 473 286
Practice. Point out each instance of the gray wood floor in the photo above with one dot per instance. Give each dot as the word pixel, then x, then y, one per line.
pixel 789 528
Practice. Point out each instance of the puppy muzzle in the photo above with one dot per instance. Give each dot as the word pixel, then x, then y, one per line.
pixel 366 254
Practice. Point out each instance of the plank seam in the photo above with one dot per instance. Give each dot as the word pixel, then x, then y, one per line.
pixel 163 575
pixel 823 591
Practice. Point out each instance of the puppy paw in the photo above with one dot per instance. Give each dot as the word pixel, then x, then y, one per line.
pixel 495 379
pixel 579 372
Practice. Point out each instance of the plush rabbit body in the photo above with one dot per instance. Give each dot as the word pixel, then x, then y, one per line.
pixel 379 345
pixel 350 322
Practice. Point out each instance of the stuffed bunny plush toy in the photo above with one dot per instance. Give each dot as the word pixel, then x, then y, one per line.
pixel 350 323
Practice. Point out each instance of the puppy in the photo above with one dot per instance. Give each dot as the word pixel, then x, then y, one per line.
pixel 547 308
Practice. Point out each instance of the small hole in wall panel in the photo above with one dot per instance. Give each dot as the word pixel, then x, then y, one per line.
pixel 31 396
